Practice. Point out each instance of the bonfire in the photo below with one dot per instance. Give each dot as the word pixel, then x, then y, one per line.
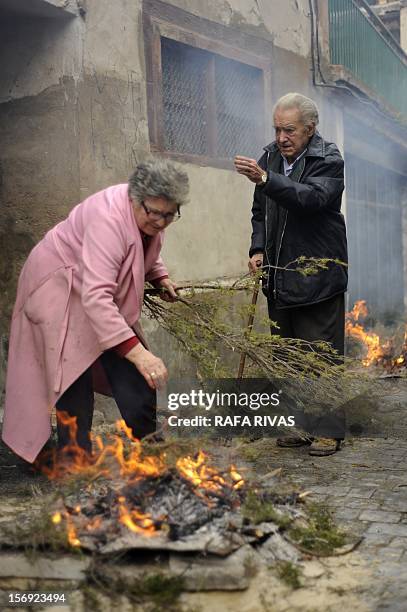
pixel 378 353
pixel 130 499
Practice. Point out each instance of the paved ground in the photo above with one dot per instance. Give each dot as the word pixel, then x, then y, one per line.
pixel 365 484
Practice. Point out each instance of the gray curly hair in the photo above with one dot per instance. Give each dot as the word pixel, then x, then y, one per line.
pixel 307 107
pixel 159 178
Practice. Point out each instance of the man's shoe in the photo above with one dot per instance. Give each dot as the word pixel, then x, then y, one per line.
pixel 321 447
pixel 294 441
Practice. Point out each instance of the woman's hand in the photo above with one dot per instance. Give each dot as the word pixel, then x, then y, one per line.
pixel 168 290
pixel 149 366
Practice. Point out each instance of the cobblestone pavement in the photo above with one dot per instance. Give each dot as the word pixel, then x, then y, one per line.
pixel 365 485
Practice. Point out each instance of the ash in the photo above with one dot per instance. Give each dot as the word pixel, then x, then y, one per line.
pixel 167 512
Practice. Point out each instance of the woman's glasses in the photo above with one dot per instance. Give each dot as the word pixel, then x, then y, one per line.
pixel 157 215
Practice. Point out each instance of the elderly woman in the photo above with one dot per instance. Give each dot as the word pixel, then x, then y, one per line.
pixel 75 327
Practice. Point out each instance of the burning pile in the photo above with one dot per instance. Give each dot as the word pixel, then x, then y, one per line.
pixel 136 501
pixel 378 353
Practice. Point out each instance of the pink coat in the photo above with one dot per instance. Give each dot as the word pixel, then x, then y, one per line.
pixel 80 292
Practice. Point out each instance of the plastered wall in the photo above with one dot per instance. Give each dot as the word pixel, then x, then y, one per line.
pixel 73 119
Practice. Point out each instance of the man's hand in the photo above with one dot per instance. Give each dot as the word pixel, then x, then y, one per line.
pixel 255 262
pixel 150 367
pixel 250 168
pixel 168 291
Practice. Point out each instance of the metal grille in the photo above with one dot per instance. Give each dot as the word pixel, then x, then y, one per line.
pixel 373 197
pixel 238 107
pixel 184 76
pixel 212 105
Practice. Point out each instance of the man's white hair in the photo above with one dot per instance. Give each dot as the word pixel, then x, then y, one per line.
pixel 307 107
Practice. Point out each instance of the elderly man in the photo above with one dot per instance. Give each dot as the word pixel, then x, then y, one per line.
pixel 296 211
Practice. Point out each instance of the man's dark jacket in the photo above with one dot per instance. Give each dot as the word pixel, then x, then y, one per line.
pixel 300 215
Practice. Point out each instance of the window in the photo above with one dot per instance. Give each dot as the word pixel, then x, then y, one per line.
pixel 212 105
pixel 206 96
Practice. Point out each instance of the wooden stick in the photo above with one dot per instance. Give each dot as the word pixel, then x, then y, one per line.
pixel 249 327
pixel 201 287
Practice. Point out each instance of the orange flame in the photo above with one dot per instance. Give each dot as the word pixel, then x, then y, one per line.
pixel 378 352
pixel 136 521
pixel 72 538
pixel 94 523
pixel 236 477
pixel 119 461
pixel 73 459
pixel 71 531
pixel 206 477
pixel 359 310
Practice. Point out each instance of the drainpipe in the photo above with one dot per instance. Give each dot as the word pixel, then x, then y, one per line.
pixel 403 25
